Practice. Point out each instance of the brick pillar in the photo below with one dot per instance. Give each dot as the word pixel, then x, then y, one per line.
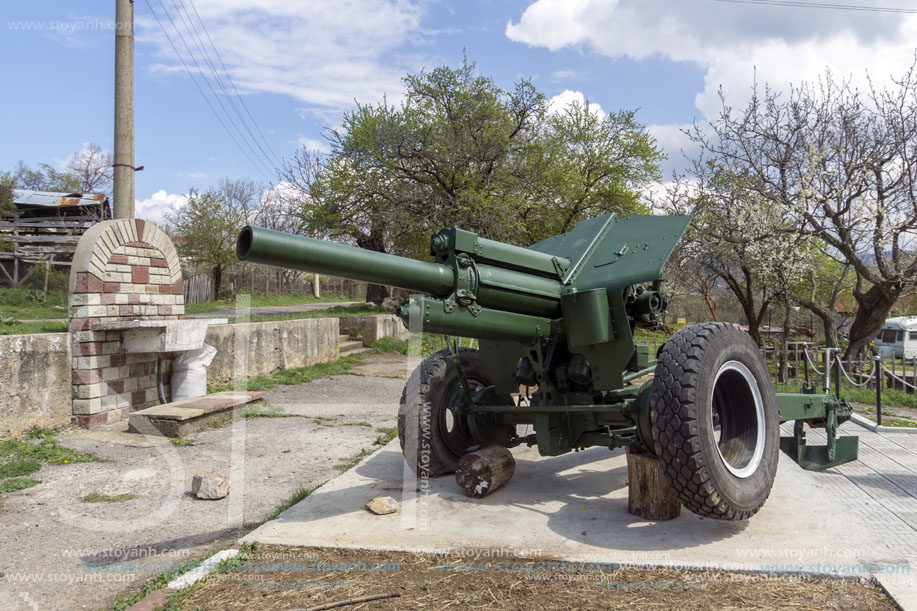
pixel 123 269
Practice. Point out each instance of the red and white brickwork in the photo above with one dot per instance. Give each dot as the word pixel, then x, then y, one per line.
pixel 123 269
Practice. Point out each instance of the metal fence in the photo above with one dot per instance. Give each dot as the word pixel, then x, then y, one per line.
pixel 829 372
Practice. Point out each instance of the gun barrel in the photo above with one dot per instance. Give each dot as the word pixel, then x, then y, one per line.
pixel 259 245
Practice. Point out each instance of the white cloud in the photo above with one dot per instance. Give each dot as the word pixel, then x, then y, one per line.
pixel 567 97
pixel 736 44
pixel 153 209
pixel 325 54
pixel 675 143
pixel 314 144
pixel 562 75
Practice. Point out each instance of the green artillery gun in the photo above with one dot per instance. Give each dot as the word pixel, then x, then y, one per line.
pixel 559 317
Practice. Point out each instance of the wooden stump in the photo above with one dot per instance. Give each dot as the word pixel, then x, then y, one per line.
pixel 649 495
pixel 481 472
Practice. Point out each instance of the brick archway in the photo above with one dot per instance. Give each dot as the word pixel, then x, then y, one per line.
pixel 122 270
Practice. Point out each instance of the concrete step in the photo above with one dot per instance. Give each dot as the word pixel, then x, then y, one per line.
pixel 181 418
pixel 349 346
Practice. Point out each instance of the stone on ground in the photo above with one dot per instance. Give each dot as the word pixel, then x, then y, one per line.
pixel 382 505
pixel 210 486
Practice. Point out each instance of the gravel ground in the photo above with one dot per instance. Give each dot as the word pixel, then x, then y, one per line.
pixel 58 552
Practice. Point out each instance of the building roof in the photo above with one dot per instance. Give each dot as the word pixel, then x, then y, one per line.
pixel 25 198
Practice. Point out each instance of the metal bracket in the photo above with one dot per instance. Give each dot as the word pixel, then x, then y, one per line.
pixel 468 402
pixel 819 410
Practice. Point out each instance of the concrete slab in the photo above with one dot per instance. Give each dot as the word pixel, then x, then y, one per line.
pixel 574 507
pixel 181 418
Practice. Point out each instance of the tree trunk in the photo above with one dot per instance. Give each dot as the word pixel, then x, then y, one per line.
pixel 217 274
pixel 874 306
pixel 375 293
pixel 744 293
pixel 784 359
pixel 649 495
pixel 711 305
pixel 481 472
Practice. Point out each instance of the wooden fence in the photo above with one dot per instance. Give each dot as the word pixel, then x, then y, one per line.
pixel 198 288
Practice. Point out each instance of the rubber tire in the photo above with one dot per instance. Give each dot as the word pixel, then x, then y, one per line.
pixel 423 399
pixel 681 405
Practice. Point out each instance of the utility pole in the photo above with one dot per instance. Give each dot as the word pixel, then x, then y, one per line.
pixel 123 189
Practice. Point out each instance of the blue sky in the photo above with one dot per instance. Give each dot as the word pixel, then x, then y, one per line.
pixel 300 64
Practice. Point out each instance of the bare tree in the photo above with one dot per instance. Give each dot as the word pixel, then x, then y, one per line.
pixel 842 166
pixel 92 168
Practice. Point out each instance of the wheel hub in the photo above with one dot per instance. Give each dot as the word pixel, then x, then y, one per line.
pixel 737 418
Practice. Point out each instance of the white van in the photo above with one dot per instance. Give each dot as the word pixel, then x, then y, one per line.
pixel 898 338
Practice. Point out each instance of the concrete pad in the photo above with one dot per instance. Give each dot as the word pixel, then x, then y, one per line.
pixel 168 412
pixel 182 418
pixel 574 507
pixel 117 433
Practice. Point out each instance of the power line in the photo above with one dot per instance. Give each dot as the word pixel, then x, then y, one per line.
pixel 203 93
pixel 212 88
pixel 231 83
pixel 179 4
pixel 839 7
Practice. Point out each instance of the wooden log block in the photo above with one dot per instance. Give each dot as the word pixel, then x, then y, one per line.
pixel 481 472
pixel 649 495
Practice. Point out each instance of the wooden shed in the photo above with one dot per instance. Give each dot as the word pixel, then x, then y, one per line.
pixel 47 228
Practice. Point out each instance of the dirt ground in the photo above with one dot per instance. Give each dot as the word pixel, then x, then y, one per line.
pixel 59 552
pixel 277 577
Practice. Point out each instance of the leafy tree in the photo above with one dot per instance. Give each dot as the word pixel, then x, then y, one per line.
pixel 7 207
pixel 461 150
pixel 210 223
pixel 43 178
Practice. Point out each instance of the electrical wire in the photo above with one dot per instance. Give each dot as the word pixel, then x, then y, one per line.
pixel 832 6
pixel 203 93
pixel 231 83
pixel 182 11
pixel 266 165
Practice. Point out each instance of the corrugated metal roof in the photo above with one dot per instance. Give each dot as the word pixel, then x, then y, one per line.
pixel 22 197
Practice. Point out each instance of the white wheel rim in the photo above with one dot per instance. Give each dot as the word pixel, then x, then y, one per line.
pixel 737 419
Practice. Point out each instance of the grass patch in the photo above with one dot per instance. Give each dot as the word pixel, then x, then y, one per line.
pixel 301 375
pixel 891 397
pixel 39 432
pixel 266 411
pixel 389 345
pixel 46 451
pixel 387 434
pixel 332 312
pixel 19 467
pixel 261 300
pixel 17 484
pixel 32 303
pixel 181 443
pixel 361 423
pixel 8 327
pixel 350 464
pixel 158 582
pixel 96 497
pixel 899 422
pixel 297 495
pixel 177 598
